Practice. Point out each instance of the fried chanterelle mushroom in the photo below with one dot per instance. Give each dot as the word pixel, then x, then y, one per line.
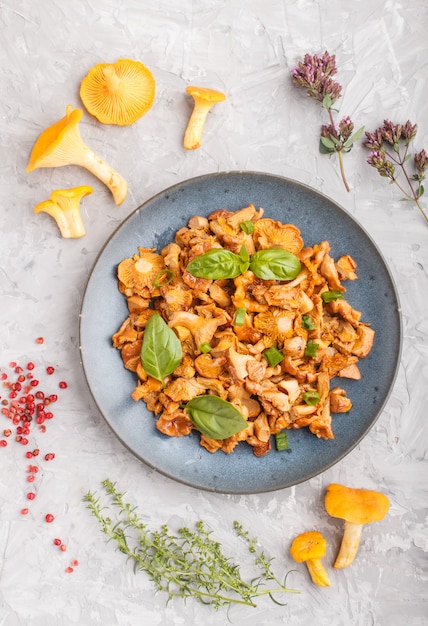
pixel 270 347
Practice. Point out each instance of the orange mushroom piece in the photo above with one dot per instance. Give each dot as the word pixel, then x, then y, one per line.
pixel 64 207
pixel 311 547
pixel 357 507
pixel 204 100
pixel 61 144
pixel 118 93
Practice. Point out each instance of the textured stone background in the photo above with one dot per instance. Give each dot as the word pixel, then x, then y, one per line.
pixel 246 48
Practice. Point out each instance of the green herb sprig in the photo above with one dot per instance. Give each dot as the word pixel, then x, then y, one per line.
pixel 186 564
pixel 390 153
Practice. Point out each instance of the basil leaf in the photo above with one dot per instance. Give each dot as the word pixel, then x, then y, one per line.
pixel 161 351
pixel 217 263
pixel 275 264
pixel 245 257
pixel 214 417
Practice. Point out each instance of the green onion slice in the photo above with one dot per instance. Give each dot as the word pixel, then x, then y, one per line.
pixel 307 322
pixel 311 348
pixel 205 347
pixel 281 441
pixel 328 296
pixel 247 227
pixel 240 316
pixel 311 397
pixel 273 356
pixel 158 278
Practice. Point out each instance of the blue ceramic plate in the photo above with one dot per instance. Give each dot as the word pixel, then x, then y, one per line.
pixel 183 459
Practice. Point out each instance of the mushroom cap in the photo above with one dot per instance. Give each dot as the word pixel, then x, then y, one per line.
pixel 268 234
pixel 308 546
pixel 204 93
pixel 118 93
pixel 51 138
pixel 140 271
pixel 358 506
pixel 75 194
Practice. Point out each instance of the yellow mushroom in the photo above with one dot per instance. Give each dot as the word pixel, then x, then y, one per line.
pixel 204 100
pixel 118 93
pixel 357 507
pixel 310 547
pixel 64 207
pixel 61 144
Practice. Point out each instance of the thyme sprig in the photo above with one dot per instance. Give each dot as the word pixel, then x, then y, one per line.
pixel 188 563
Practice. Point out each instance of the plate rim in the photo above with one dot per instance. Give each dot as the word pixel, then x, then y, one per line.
pixel 309 189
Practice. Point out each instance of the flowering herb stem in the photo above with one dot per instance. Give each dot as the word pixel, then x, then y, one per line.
pixel 314 74
pixel 386 159
pixel 187 563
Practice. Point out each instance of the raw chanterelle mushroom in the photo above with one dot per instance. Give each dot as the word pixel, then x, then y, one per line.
pixel 118 93
pixel 64 207
pixel 204 100
pixel 61 144
pixel 357 507
pixel 311 547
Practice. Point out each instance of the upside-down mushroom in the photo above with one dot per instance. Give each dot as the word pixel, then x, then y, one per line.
pixel 357 507
pixel 61 144
pixel 311 547
pixel 204 100
pixel 64 207
pixel 118 93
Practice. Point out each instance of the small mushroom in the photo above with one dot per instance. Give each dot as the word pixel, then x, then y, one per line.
pixel 118 93
pixel 357 507
pixel 64 207
pixel 310 547
pixel 204 99
pixel 61 144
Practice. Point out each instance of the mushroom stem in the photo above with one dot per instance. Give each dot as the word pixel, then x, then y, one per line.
pixel 318 573
pixel 104 172
pixel 193 134
pixel 349 546
pixel 61 144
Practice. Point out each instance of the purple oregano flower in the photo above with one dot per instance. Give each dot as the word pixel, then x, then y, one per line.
pixel 389 147
pixel 314 74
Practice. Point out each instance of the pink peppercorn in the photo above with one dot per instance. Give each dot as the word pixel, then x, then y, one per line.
pixel 49 518
pixel 57 542
pixel 63 385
